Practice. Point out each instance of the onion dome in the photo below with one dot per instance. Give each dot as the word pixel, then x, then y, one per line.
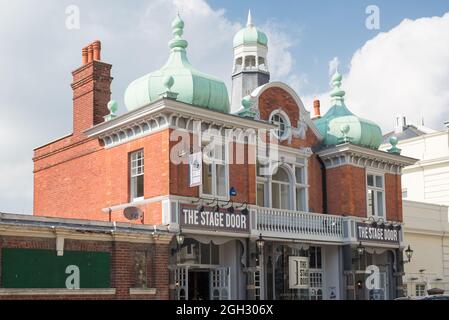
pixel 184 82
pixel 339 125
pixel 250 36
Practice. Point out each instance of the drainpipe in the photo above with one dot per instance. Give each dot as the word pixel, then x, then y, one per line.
pixel 323 183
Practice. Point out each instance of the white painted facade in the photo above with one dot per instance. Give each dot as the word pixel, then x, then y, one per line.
pixel 427 232
pixel 428 179
pixel 425 190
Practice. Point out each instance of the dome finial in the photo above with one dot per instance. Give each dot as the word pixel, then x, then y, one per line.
pixel 178 30
pixel 337 93
pixel 249 23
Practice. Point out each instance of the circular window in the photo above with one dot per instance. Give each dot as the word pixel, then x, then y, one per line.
pixel 280 120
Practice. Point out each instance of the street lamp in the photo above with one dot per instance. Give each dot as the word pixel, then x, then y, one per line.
pixel 360 249
pixel 409 253
pixel 260 243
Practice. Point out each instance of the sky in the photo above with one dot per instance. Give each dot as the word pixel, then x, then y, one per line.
pixel 396 65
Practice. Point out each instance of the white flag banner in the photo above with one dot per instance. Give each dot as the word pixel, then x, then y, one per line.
pixel 196 169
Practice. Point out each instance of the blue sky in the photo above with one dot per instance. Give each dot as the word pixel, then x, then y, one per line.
pixel 400 69
pixel 324 29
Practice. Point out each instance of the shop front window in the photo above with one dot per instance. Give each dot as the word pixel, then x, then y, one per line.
pixel 281 288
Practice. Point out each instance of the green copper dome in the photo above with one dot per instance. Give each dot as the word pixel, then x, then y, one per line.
pixel 250 35
pixel 184 82
pixel 340 125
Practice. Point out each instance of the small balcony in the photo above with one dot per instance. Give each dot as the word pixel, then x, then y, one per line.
pixel 279 223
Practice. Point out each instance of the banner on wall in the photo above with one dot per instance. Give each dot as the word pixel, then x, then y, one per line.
pixel 211 220
pixel 298 277
pixel 367 232
pixel 196 169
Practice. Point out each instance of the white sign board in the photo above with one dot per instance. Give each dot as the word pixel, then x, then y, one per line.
pixel 298 275
pixel 196 166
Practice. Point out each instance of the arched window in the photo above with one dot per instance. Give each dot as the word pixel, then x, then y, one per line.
pixel 250 61
pixel 238 64
pixel 280 190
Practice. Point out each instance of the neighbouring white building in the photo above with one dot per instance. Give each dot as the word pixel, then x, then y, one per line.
pixel 426 230
pixel 425 191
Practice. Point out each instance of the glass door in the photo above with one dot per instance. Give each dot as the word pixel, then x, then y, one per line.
pixel 182 283
pixel 220 283
pixel 382 292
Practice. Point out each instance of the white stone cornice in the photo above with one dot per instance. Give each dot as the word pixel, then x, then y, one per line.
pixel 349 154
pixel 169 109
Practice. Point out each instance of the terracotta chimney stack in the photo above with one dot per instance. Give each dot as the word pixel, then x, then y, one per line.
pixel 97 50
pixel 91 90
pixel 316 108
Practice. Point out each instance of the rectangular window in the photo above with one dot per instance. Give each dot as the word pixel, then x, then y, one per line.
pixel 215 168
pixel 420 290
pixel 301 188
pixel 300 198
pixel 275 196
pixel 285 196
pixel 207 178
pixel 299 173
pixel 136 175
pixel 315 257
pixel 375 195
pixel 404 193
pixel 261 194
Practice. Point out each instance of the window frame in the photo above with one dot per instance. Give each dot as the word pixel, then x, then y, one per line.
pixel 267 181
pixel 207 139
pixel 424 286
pixel 131 176
pixel 287 124
pixel 375 189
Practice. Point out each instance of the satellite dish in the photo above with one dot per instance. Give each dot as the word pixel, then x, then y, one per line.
pixel 132 213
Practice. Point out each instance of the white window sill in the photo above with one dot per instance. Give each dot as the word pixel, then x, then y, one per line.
pixel 142 291
pixel 51 292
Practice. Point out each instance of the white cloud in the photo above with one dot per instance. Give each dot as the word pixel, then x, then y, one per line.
pixel 333 65
pixel 402 71
pixel 39 54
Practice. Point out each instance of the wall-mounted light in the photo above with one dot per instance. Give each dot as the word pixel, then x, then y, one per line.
pixel 245 210
pixel 230 209
pixel 360 249
pixel 260 243
pixel 180 238
pixel 409 253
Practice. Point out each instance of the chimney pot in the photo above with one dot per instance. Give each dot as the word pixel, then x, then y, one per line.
pixel 317 108
pixel 96 45
pixel 84 54
pixel 90 53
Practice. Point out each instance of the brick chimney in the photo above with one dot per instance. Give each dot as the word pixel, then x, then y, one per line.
pixel 91 89
pixel 317 109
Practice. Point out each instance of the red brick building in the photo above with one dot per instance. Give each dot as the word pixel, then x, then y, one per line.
pixel 271 189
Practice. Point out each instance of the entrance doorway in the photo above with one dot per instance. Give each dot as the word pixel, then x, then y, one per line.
pixel 199 287
pixel 200 283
